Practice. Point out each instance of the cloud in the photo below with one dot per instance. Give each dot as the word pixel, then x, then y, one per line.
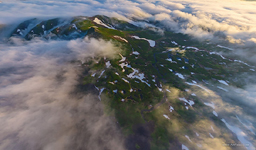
pixel 154 9
pixel 36 79
pixel 172 5
pixel 229 106
pixel 185 16
pixel 93 47
pixel 41 107
pixel 197 18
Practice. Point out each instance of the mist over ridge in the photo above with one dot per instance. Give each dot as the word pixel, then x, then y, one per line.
pixel 62 69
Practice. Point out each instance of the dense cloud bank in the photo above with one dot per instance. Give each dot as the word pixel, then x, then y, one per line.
pixel 40 108
pixel 231 22
pixel 233 17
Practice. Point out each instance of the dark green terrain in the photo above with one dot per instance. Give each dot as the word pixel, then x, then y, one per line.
pixel 156 93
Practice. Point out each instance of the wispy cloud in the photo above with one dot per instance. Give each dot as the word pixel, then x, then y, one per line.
pixel 40 107
pixel 225 20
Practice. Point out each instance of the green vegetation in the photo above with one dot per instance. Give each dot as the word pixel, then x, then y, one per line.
pixel 138 102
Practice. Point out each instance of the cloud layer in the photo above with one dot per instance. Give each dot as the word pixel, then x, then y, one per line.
pixel 230 22
pixel 40 107
pixel 234 18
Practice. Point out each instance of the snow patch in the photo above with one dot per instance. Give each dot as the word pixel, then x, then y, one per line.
pixel 223 82
pixel 197 134
pixel 93 75
pixel 74 26
pixel 188 138
pixel 210 105
pixel 180 75
pixel 111 83
pixel 118 37
pixel 151 42
pixel 166 116
pixel 222 88
pixel 215 113
pixel 212 129
pixel 125 80
pixel 217 54
pixel 137 75
pixel 123 58
pixel 160 89
pixel 225 47
pixel 171 109
pixel 242 62
pixel 190 102
pixel 108 64
pixel 189 47
pixel 101 73
pixel 197 86
pixel 211 135
pixel 122 65
pixel 170 60
pixel 173 42
pixel 193 94
pixel 183 147
pixel 98 21
pixel 101 90
pixel 135 53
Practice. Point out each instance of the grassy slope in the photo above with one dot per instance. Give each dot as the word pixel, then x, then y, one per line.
pixel 149 62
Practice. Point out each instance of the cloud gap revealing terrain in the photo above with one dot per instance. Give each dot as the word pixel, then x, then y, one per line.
pixel 127 75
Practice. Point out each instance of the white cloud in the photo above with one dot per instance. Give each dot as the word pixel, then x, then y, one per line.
pixel 172 5
pixel 41 107
pixel 191 17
